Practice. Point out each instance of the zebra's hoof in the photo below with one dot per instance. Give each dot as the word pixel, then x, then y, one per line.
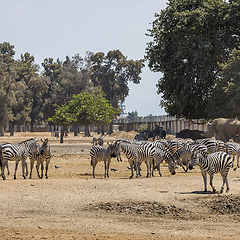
pixel 227 190
pixel 14 178
pixel 221 191
pixel 4 178
pixel 46 177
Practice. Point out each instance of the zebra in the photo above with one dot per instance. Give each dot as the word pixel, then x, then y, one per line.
pixel 44 154
pixel 233 149
pixel 129 148
pixel 183 155
pixel 144 152
pixel 17 152
pixel 99 153
pixel 212 144
pixel 162 154
pixel 98 141
pixel 1 159
pixel 218 162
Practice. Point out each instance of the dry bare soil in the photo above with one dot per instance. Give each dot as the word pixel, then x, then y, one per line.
pixel 72 205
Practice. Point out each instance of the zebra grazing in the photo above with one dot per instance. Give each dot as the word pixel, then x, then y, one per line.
pixel 17 152
pixel 99 153
pixel 183 155
pixel 218 162
pixel 233 149
pixel 162 154
pixel 43 154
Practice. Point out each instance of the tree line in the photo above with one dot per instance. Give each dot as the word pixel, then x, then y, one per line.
pixel 33 94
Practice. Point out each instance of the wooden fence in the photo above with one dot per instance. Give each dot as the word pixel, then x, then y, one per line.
pixel 171 124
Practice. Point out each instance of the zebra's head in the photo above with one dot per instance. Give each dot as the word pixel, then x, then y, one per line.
pixel 32 145
pixel 113 149
pixel 45 148
pixel 196 156
pixel 172 164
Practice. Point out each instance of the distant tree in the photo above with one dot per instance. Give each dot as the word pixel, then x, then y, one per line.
pixel 112 72
pixel 132 115
pixel 7 84
pixel 85 108
pixel 189 41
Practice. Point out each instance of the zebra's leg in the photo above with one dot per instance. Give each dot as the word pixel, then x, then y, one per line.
pixel 233 159
pixel 152 167
pixel 211 182
pixel 105 167
pixel 24 164
pixel 148 169
pixel 26 167
pixel 108 165
pixel 31 167
pixel 139 168
pixel 37 168
pixel 225 180
pixel 46 170
pixel 7 168
pixel 15 172
pixel 205 181
pixel 42 167
pixel 131 165
pixel 158 167
pixel 3 168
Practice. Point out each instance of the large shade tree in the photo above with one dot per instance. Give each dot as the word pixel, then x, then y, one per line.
pixel 190 40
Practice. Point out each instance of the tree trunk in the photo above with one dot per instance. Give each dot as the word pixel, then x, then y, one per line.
pixel 31 126
pixel 11 128
pixel 87 131
pixel 102 129
pixel 62 134
pixel 110 130
pixel 75 129
pixel 1 130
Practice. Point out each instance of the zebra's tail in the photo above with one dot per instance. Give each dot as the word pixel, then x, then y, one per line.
pixel 91 162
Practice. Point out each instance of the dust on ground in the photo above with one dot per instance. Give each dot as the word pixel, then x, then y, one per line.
pixel 72 205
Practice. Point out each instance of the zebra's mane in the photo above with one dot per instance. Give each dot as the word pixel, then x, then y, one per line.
pixel 27 140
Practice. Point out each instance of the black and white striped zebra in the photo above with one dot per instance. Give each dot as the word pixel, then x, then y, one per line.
pixel 144 153
pixel 99 153
pixel 212 144
pixel 17 152
pixel 234 150
pixel 43 154
pixel 183 155
pixel 218 162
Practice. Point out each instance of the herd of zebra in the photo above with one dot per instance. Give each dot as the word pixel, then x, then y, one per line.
pixel 212 156
pixel 19 152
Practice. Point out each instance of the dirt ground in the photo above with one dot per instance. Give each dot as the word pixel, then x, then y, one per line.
pixel 72 205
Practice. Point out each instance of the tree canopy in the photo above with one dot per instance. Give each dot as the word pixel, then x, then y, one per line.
pixel 85 108
pixel 190 41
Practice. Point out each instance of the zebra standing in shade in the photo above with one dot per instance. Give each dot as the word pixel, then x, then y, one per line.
pixel 218 162
pixel 234 150
pixel 43 154
pixel 17 152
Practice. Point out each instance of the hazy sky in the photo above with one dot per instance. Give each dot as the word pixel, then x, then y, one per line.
pixel 56 28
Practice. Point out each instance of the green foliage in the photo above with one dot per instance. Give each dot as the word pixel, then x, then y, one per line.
pixel 189 40
pixel 112 72
pixel 85 108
